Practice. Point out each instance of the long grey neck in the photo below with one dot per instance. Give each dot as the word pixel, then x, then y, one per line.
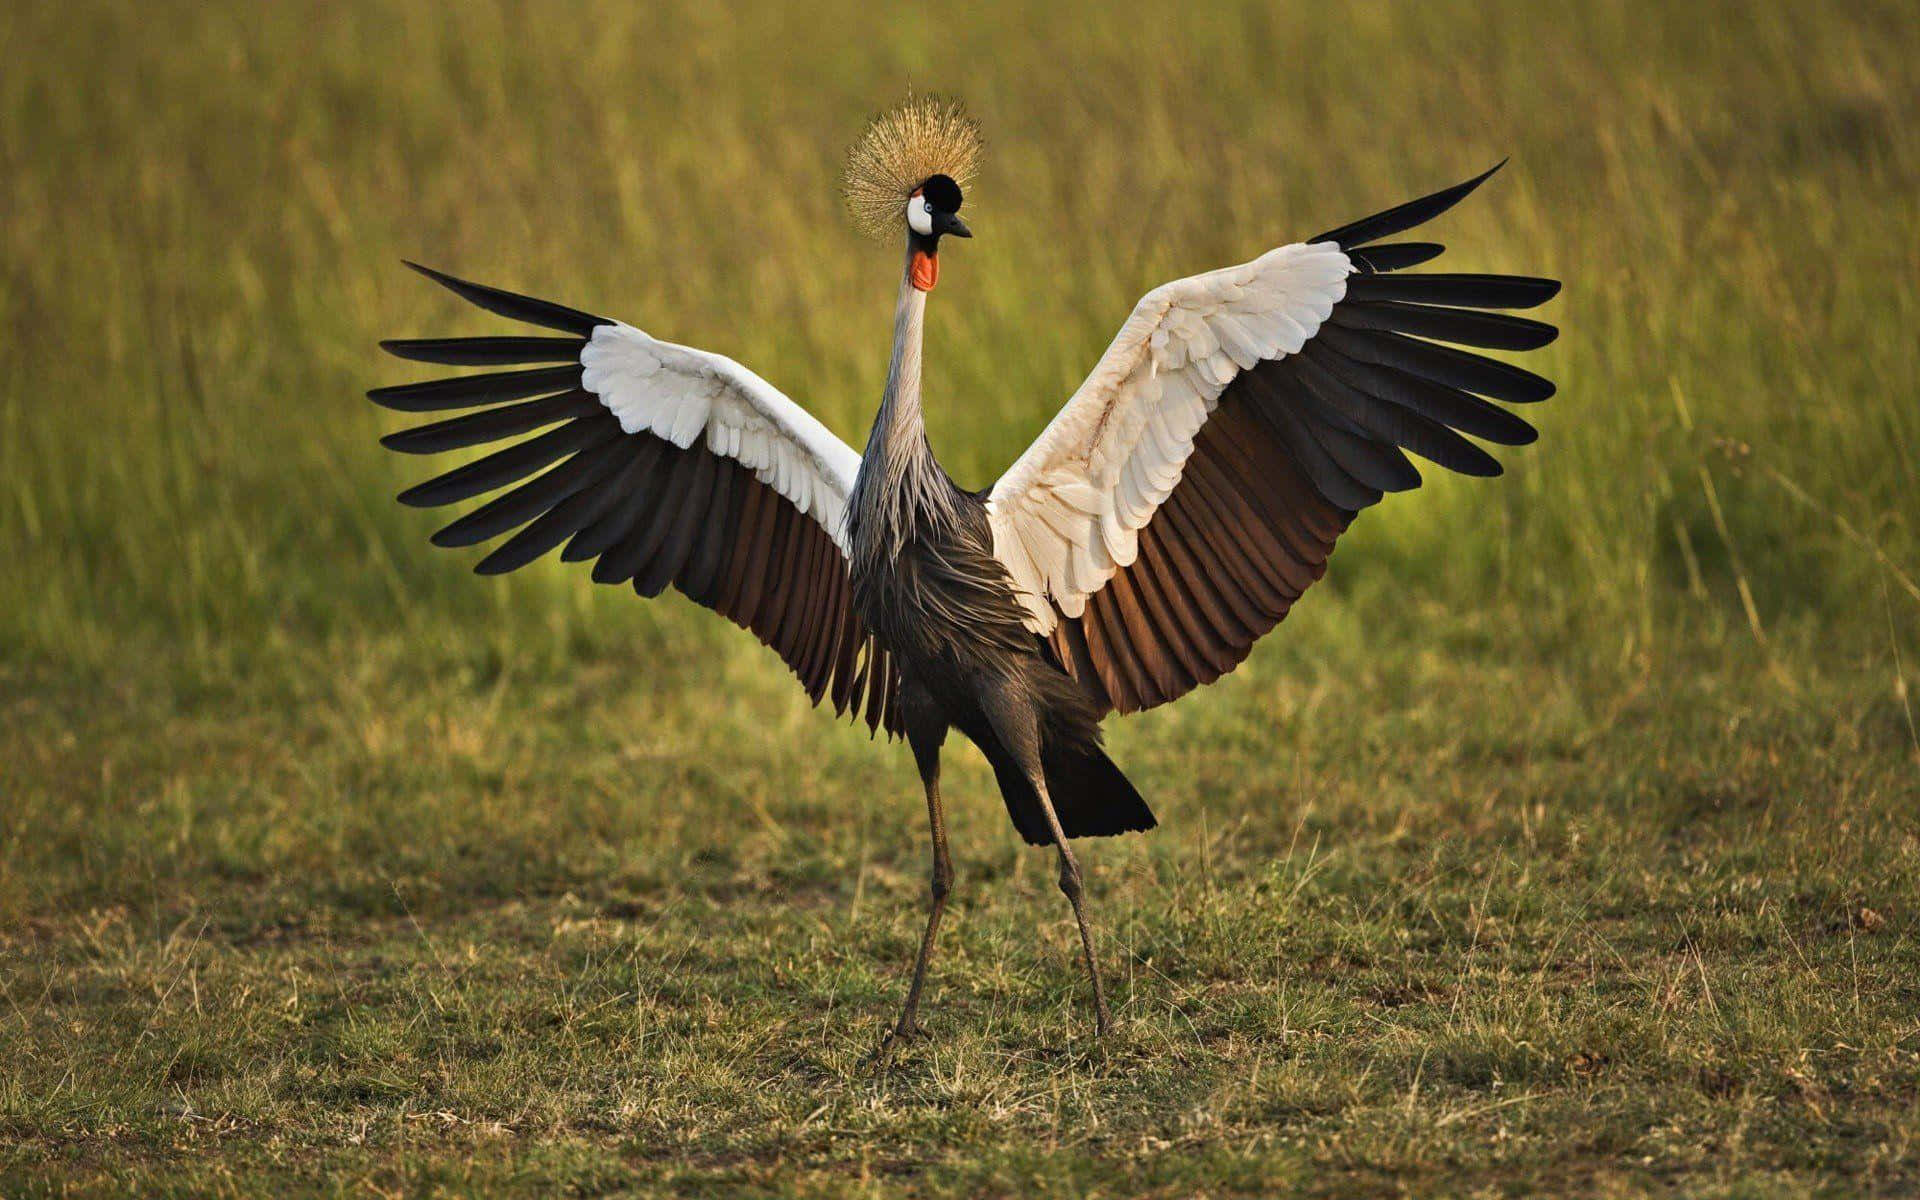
pixel 899 431
pixel 902 489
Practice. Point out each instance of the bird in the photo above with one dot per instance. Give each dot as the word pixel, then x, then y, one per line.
pixel 1170 514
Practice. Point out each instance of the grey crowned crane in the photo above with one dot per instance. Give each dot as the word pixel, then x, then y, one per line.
pixel 1170 514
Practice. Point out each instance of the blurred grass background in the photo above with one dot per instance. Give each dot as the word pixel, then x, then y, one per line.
pixel 1658 674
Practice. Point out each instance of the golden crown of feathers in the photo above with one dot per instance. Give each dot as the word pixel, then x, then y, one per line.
pixel 901 147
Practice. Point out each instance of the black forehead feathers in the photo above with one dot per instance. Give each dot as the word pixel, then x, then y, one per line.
pixel 942 193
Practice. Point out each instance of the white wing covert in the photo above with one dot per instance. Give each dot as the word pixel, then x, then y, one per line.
pixel 1067 514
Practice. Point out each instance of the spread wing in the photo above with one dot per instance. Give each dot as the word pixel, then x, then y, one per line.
pixel 662 464
pixel 1194 486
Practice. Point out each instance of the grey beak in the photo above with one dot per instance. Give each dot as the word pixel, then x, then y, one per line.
pixel 951 223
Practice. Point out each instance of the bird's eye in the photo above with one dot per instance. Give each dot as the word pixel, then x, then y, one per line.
pixel 920 215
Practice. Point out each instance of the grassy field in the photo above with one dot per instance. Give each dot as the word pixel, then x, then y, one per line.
pixel 1566 838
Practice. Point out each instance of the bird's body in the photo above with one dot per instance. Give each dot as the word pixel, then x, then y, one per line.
pixel 929 588
pixel 1167 518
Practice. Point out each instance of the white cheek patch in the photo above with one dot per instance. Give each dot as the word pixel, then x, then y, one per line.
pixel 919 215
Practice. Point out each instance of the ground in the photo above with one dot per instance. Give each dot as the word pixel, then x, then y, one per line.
pixel 1564 839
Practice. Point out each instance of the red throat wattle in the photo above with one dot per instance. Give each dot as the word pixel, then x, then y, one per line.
pixel 925 270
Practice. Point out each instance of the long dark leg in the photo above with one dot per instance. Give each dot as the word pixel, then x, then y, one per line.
pixel 1070 884
pixel 926 730
pixel 1017 723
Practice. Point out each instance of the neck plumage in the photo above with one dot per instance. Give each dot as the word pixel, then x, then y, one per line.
pixel 899 431
pixel 901 489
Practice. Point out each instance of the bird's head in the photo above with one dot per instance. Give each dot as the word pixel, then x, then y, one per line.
pixel 933 210
pixel 908 167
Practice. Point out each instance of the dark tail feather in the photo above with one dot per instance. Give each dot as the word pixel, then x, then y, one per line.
pixel 1090 795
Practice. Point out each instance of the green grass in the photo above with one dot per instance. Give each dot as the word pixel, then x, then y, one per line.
pixel 1563 840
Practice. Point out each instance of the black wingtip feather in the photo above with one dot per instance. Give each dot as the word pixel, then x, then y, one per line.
pixel 1466 327
pixel 470 391
pixel 493 424
pixel 484 351
pixel 515 462
pixel 1461 291
pixel 1404 216
pixel 512 304
pixel 1395 256
pixel 1442 364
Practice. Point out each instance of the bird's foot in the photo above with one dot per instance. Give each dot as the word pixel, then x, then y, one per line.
pixel 1102 1016
pixel 907 1029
